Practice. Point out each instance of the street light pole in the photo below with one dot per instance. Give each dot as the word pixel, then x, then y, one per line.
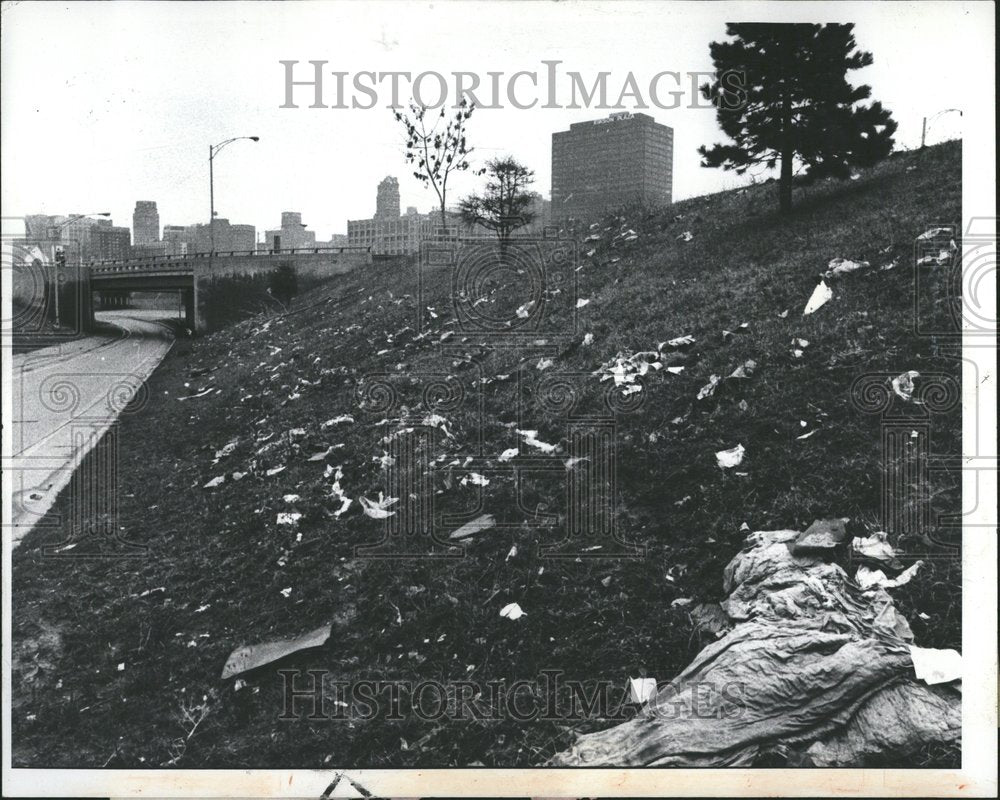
pixel 213 151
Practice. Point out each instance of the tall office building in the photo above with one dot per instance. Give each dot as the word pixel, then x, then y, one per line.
pixel 608 163
pixel 387 199
pixel 145 222
pixel 110 243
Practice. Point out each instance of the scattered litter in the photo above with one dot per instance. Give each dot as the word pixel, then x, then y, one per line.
pixel 936 666
pixel 248 657
pixel 805 640
pixel 822 535
pixel 274 471
pixel 581 302
pixel 588 340
pixel 544 364
pixel 482 523
pixel 867 578
pixel 508 454
pixel 286 592
pixel 903 386
pixel 942 258
pixel 378 510
pixel 288 517
pixel 121 667
pixel 641 690
pixel 511 553
pixel 838 267
pixel 291 498
pixel 512 611
pixel 680 602
pixel 875 548
pixel 475 479
pixel 709 388
pixel 745 370
pixel 531 438
pixel 807 435
pixel 337 421
pixel 218 481
pixel 679 341
pixel 821 295
pixel 687 236
pixel 199 394
pixel 321 455
pixel 933 233
pixel 733 457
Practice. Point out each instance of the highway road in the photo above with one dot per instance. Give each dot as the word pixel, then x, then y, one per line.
pixel 65 397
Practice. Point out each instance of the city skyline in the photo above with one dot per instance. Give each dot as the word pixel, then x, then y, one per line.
pixel 150 143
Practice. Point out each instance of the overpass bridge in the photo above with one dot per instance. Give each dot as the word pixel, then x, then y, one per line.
pixel 189 275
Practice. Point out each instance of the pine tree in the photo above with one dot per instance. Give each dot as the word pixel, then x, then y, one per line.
pixel 782 95
pixel 506 204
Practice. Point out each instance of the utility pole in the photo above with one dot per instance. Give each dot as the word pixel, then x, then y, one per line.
pixel 211 204
pixel 923 134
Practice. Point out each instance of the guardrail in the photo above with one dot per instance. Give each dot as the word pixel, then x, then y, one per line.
pixel 153 262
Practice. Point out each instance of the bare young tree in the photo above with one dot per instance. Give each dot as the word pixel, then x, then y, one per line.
pixel 506 204
pixel 436 153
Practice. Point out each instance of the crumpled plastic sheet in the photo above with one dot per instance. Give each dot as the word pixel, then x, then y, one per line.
pixel 815 669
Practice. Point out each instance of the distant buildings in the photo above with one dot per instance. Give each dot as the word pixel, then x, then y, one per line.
pixel 180 240
pixel 72 233
pixel 145 223
pixel 109 243
pixel 177 239
pixel 607 163
pixel 392 233
pixel 291 235
pixel 387 199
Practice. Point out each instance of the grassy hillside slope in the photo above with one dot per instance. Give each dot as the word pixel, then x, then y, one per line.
pixel 219 564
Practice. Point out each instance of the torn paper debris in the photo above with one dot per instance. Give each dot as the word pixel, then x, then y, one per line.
pixel 821 295
pixel 512 611
pixel 904 385
pixel 248 657
pixel 378 510
pixel 936 666
pixel 481 523
pixel 641 690
pixel 733 457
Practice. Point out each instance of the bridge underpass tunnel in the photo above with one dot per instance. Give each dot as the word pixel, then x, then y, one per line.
pixel 167 305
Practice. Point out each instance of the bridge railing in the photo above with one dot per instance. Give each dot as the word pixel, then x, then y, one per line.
pixel 150 262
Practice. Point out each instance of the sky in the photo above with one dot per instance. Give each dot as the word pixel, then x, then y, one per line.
pixel 107 103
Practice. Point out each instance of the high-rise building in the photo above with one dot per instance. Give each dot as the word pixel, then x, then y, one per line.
pixel 243 237
pixel 145 222
pixel 387 199
pixel 177 238
pixel 604 164
pixel 388 232
pixel 110 243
